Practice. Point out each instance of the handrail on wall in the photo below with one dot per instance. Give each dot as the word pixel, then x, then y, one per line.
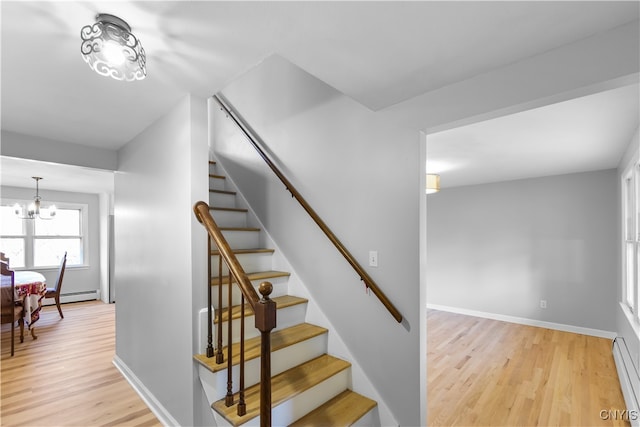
pixel 256 142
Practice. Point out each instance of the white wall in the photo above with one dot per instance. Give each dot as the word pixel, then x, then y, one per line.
pixel 625 326
pixel 362 176
pixel 48 150
pixel 159 179
pixel 76 279
pixel 501 248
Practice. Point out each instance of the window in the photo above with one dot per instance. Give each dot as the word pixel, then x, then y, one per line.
pixel 40 243
pixel 631 225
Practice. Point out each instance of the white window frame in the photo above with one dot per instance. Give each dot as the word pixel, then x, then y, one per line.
pixel 631 238
pixel 29 236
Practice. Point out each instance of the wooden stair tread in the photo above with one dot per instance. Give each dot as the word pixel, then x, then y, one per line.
pixel 279 339
pixel 247 251
pixel 212 162
pixel 283 301
pixel 239 229
pixel 213 175
pixel 258 275
pixel 228 209
pixel 283 387
pixel 343 410
pixel 222 192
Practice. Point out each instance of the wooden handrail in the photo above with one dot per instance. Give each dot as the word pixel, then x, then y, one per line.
pixel 265 320
pixel 201 210
pixel 364 276
pixel 264 310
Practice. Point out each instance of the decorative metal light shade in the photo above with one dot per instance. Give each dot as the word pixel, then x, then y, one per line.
pixel 433 183
pixel 110 49
pixel 33 210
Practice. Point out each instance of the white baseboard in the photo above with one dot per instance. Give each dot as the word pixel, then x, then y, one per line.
pixel 73 297
pixel 154 405
pixel 524 321
pixel 629 379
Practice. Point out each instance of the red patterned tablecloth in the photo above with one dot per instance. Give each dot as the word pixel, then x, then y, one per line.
pixel 32 285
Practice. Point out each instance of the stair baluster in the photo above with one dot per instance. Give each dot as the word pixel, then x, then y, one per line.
pixel 242 407
pixel 229 397
pixel 209 303
pixel 219 353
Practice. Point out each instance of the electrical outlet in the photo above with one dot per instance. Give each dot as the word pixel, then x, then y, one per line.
pixel 543 303
pixel 373 258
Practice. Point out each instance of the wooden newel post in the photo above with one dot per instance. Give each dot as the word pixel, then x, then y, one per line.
pixel 265 313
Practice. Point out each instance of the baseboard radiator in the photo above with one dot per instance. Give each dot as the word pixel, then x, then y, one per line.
pixel 629 380
pixel 74 297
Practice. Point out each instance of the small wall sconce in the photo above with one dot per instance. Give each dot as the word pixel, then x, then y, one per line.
pixel 433 183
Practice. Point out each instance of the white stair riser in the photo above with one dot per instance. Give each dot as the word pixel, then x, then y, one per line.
pixel 303 403
pixel 230 218
pixel 280 287
pixel 281 360
pixel 222 200
pixel 217 183
pixel 240 239
pixel 210 393
pixel 251 263
pixel 367 420
pixel 285 317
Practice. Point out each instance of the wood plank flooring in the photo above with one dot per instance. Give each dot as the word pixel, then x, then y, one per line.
pixel 66 376
pixel 483 372
pixel 480 372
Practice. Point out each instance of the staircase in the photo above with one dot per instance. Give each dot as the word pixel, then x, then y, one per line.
pixel 309 386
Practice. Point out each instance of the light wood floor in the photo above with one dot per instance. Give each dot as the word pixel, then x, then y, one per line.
pixel 66 376
pixel 488 373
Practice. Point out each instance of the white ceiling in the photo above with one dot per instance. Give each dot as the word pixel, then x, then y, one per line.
pixel 379 53
pixel 583 134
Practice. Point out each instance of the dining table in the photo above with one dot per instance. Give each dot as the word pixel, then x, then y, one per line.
pixel 31 287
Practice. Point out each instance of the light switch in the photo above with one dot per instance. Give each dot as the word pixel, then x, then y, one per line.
pixel 373 258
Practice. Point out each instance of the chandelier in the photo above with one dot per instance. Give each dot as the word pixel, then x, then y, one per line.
pixel 110 49
pixel 34 211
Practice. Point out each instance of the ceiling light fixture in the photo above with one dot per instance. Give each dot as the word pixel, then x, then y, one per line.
pixel 110 49
pixel 433 183
pixel 33 210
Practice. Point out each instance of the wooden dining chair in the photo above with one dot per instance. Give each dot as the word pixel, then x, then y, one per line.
pixel 55 291
pixel 12 310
